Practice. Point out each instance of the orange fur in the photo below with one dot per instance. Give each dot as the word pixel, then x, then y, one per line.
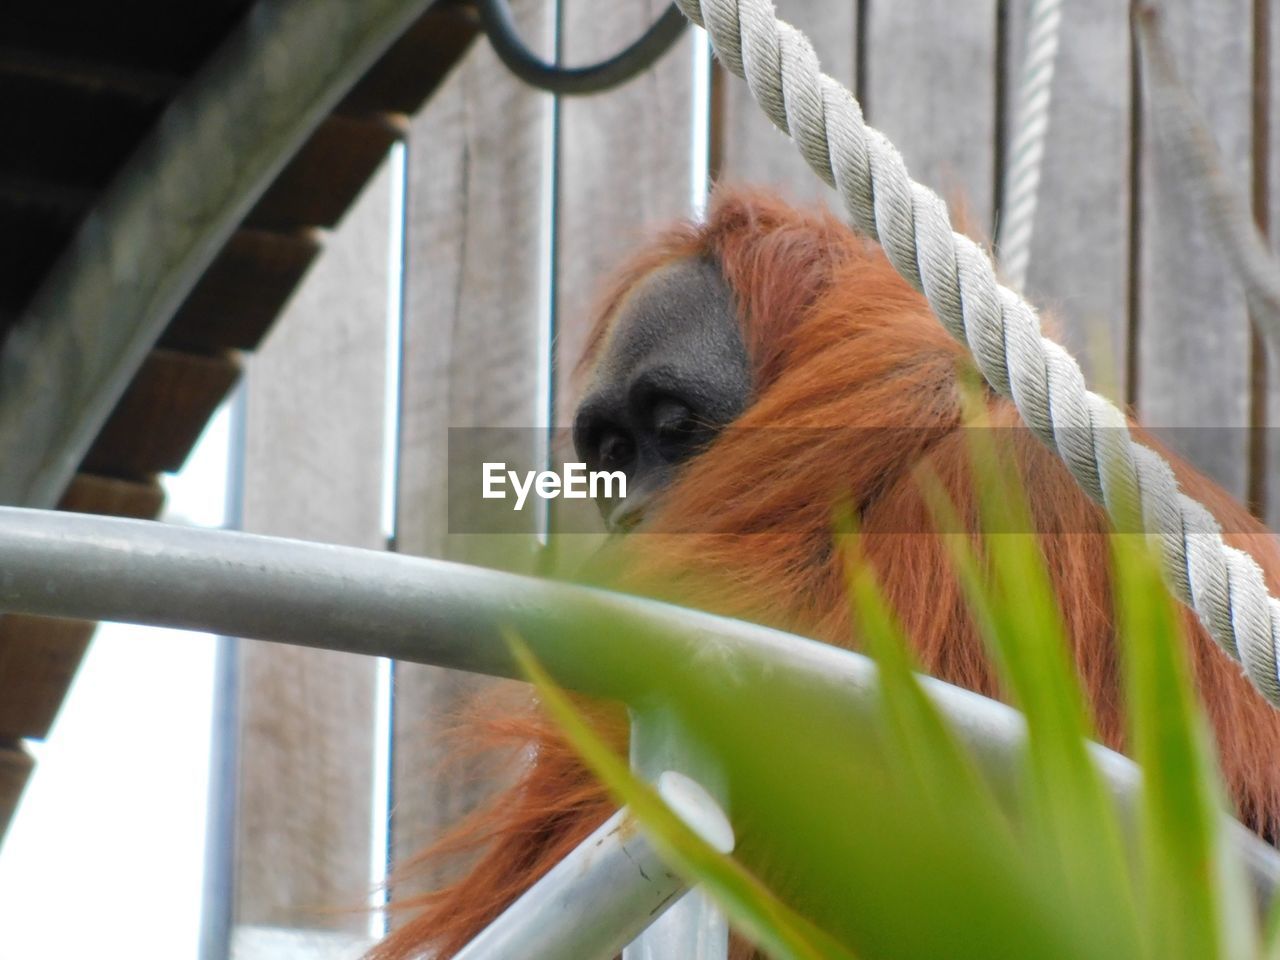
pixel 838 340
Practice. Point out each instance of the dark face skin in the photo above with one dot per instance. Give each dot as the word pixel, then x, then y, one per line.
pixel 673 372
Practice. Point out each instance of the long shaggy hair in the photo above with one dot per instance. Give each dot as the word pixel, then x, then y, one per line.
pixel 856 388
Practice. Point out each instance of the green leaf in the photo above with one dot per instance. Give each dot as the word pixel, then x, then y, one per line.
pixel 828 810
pixel 747 902
pixel 1015 608
pixel 865 826
pixel 1197 901
pixel 930 758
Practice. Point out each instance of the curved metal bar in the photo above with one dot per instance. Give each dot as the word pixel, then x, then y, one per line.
pixel 500 27
pixel 694 928
pixel 217 147
pixel 610 888
pixel 450 615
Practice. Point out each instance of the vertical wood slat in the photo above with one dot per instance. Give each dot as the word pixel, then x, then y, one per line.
pixel 931 88
pixel 313 463
pixel 1269 45
pixel 473 290
pixel 1079 268
pixel 1193 334
pixel 624 160
pixel 749 147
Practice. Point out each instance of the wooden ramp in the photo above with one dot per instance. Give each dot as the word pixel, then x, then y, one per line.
pixel 80 87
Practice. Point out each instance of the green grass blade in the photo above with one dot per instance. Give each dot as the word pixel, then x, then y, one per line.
pixel 1014 605
pixel 931 758
pixel 1197 901
pixel 1271 930
pixel 823 809
pixel 751 907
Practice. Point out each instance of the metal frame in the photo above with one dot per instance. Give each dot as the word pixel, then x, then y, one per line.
pixel 450 615
pixel 614 885
pixel 694 929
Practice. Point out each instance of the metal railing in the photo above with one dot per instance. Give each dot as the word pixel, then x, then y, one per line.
pixel 609 890
pixel 451 615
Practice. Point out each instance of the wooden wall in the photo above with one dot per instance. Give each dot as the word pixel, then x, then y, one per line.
pixel 474 248
pixel 516 204
pixel 313 470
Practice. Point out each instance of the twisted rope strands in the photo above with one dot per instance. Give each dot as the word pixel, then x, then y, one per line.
pixel 1031 129
pixel 1135 484
pixel 1180 125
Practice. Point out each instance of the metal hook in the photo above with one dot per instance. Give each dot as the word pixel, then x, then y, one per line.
pixel 500 27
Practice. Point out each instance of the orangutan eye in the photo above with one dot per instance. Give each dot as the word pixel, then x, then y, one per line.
pixel 673 420
pixel 679 431
pixel 614 450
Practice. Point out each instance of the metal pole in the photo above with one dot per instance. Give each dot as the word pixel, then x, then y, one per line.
pixel 609 889
pixel 693 929
pixel 450 615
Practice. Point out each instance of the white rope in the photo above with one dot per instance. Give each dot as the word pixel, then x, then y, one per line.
pixel 1223 585
pixel 1190 148
pixel 1031 129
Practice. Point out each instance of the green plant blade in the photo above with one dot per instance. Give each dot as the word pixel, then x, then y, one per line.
pixel 1014 605
pixel 748 903
pixel 1196 895
pixel 932 760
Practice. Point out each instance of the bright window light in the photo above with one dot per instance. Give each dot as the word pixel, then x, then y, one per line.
pixel 105 855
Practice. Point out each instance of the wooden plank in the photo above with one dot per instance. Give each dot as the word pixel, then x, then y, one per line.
pixel 416 64
pixel 471 342
pixel 245 288
pixel 1193 333
pixel 326 174
pixel 156 36
pixel 39 656
pixel 162 413
pixel 15 768
pixel 89 493
pixel 748 147
pixel 624 166
pixel 1079 267
pixel 313 464
pixel 37 219
pixel 931 87
pixel 88 74
pixel 38 659
pixel 68 132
